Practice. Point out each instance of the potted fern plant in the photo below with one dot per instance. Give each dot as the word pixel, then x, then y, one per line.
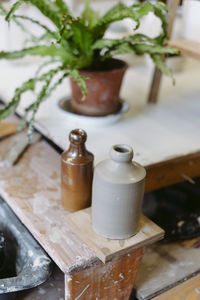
pixel 81 51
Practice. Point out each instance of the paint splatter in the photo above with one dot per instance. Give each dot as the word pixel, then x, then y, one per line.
pixel 197 290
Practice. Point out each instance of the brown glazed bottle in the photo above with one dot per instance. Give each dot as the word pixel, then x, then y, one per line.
pixel 76 173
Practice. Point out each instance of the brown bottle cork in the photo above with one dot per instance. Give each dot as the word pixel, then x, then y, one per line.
pixel 76 173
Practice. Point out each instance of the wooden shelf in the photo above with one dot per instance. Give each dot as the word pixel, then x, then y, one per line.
pixel 187 47
pixel 108 249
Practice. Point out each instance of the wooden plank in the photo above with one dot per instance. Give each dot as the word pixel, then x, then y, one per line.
pixel 107 249
pixel 7 128
pixel 172 171
pixel 111 281
pixel 188 290
pixel 187 47
pixel 16 147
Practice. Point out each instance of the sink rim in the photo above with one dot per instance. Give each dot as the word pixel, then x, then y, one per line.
pixel 37 267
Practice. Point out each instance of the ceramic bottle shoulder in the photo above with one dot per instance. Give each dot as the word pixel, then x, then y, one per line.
pixel 124 173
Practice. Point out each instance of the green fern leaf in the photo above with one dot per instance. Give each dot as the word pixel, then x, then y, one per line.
pixel 80 81
pixel 159 61
pixel 62 7
pixel 89 17
pixel 120 12
pixel 52 51
pixel 82 38
pixel 144 48
pixel 15 7
pixel 49 9
pixel 29 85
pixel 35 22
pixel 161 6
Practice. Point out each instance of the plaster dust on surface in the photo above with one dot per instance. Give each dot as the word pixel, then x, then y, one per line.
pixel 40 261
pixel 30 253
pixel 197 290
pixel 41 291
pixel 41 206
pixel 52 289
pixel 67 291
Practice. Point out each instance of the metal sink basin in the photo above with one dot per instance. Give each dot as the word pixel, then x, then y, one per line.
pixel 25 264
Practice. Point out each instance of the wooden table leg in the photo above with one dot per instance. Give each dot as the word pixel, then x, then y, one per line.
pixel 111 281
pixel 155 86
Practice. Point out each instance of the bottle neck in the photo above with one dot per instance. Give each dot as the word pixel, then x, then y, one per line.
pixel 77 150
pixel 121 153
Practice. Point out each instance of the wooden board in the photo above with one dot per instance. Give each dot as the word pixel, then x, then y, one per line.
pixel 7 129
pixel 165 266
pixel 18 144
pixel 187 47
pixel 107 249
pixel 188 290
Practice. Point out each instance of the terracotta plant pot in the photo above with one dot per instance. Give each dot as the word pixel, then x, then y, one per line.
pixel 103 88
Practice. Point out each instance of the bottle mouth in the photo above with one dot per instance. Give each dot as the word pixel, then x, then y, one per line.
pixel 122 148
pixel 121 153
pixel 77 136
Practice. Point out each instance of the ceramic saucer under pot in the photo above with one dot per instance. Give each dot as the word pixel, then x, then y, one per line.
pixel 65 105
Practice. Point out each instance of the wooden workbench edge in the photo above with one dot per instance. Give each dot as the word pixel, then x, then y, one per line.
pixel 172 171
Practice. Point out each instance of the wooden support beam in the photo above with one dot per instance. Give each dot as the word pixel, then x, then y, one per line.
pixel 111 281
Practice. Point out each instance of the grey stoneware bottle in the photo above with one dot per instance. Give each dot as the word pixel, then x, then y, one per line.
pixel 117 194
